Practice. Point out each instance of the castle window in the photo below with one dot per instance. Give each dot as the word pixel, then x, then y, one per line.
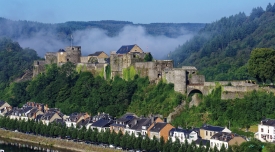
pixel 37 62
pixel 72 48
pixel 67 59
pixel 134 56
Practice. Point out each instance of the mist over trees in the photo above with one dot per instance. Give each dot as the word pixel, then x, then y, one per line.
pixel 221 49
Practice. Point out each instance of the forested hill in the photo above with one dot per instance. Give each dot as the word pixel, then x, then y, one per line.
pixel 26 29
pixel 14 61
pixel 221 49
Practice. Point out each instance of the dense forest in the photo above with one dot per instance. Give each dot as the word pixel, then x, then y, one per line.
pixel 14 61
pixel 220 50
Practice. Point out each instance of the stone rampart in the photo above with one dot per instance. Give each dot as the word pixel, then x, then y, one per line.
pixel 38 67
pixel 196 79
pixel 50 57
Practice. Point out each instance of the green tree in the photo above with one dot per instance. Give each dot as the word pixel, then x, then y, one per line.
pixel 260 64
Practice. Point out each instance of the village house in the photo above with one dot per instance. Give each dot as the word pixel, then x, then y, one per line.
pixel 49 117
pixel 207 131
pixel 266 130
pixel 182 135
pixel 75 118
pixel 19 113
pixel 139 126
pixel 102 116
pixel 4 107
pixel 102 125
pixel 34 112
pixel 120 123
pixel 160 129
pixel 226 139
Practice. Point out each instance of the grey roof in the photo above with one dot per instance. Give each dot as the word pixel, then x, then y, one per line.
pixel 102 123
pixel 158 127
pixel 268 122
pixel 96 53
pixel 212 128
pixel 84 122
pixel 2 103
pixel 117 125
pixel 224 136
pixel 124 49
pixel 47 115
pixel 126 118
pixel 141 122
pixel 185 131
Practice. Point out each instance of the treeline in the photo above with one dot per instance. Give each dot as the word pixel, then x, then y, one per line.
pixel 63 31
pixel 237 113
pixel 221 49
pixel 125 141
pixel 64 88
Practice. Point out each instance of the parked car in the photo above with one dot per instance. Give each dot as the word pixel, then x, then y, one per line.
pixel 111 146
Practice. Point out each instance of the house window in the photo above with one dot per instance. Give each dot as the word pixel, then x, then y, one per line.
pixel 270 136
pixel 210 133
pixel 268 131
pixel 206 133
pixel 262 129
pixel 212 144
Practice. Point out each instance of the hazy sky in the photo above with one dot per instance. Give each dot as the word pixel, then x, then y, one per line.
pixel 137 11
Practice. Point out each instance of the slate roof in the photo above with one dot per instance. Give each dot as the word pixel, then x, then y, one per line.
pixel 202 141
pixel 126 118
pixel 117 125
pixel 141 122
pixel 2 103
pixel 96 53
pixel 185 131
pixel 268 122
pixel 212 128
pixel 224 136
pixel 158 126
pixel 102 123
pixel 47 115
pixel 124 49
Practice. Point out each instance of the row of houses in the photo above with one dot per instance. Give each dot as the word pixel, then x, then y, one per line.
pixel 152 126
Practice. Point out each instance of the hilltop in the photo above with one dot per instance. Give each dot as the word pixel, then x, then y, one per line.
pixel 221 49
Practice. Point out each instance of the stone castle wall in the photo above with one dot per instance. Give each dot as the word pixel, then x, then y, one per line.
pixel 50 57
pixel 177 76
pixel 73 54
pixel 38 67
pixel 154 70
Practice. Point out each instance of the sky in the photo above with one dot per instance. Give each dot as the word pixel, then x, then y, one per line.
pixel 136 11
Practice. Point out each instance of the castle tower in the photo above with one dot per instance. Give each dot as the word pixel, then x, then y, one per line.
pixel 73 54
pixel 61 56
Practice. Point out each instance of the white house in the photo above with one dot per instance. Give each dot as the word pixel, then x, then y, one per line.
pixel 182 135
pixel 226 139
pixel 266 130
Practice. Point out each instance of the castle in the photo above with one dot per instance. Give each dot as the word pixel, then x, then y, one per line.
pixel 185 79
pixel 93 62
